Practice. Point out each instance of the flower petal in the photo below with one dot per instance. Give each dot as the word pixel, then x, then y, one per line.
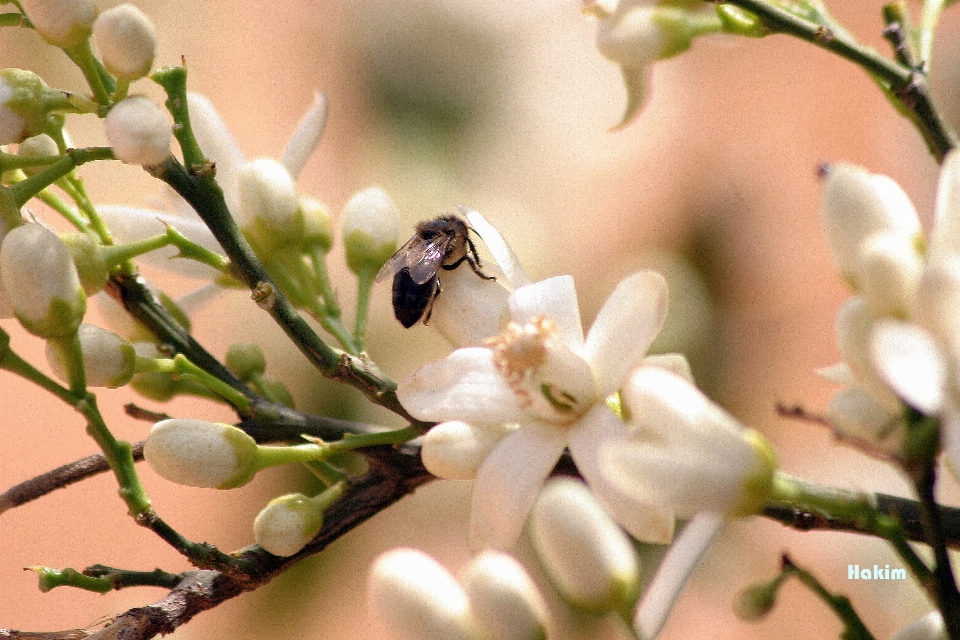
pixel 909 360
pixel 217 144
pixel 681 559
pixel 555 298
pixel 129 224
pixel 306 136
pixel 508 483
pixel 463 386
pixel 509 262
pixel 469 309
pixel 646 522
pixel 625 328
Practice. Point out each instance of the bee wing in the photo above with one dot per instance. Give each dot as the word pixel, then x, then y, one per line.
pixel 426 257
pixel 397 261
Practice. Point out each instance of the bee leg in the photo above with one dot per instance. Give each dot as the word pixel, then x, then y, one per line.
pixel 433 298
pixel 471 258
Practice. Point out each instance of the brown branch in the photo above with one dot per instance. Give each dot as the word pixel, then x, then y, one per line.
pixel 394 473
pixel 59 478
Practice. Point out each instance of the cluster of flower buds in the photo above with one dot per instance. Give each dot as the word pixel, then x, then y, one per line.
pixel 196 453
pixel 898 334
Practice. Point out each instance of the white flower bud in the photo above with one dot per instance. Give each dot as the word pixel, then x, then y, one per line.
pixel 41 281
pixel 929 627
pixel 587 556
pixel 417 599
pixel 126 40
pixel 685 452
pixel 197 453
pixel 287 524
pixel 269 208
pixel 856 204
pixel 637 35
pixel 108 359
pixel 41 145
pixel 90 260
pixel 138 131
pixel 889 274
pixel 856 415
pixel 371 226
pixel 454 450
pixel 506 604
pixel 63 23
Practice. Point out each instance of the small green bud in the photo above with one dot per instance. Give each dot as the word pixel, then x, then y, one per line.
pixel 740 22
pixel 317 230
pixel 371 226
pixel 754 602
pixel 246 360
pixel 94 272
pixel 288 523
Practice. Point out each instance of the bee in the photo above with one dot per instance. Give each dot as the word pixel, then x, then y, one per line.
pixel 441 243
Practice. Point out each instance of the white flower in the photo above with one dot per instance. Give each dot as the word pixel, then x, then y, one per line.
pixel 126 40
pixel 417 599
pixel 549 385
pixel 131 223
pixel 138 131
pixel 64 23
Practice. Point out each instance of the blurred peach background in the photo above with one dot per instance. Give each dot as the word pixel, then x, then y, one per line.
pixel 502 105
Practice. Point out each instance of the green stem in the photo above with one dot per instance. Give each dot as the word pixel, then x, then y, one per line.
pixel 181 367
pixel 119 456
pixel 907 86
pixel 52 578
pixel 855 629
pixel 26 189
pixel 122 578
pixel 396 437
pixel 83 56
pixel 325 472
pixel 837 504
pixel 364 290
pixel 273 456
pixel 318 259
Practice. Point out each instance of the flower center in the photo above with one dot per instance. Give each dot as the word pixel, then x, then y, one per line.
pixel 551 381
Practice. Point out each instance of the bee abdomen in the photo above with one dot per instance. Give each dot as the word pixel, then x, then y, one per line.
pixel 411 300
